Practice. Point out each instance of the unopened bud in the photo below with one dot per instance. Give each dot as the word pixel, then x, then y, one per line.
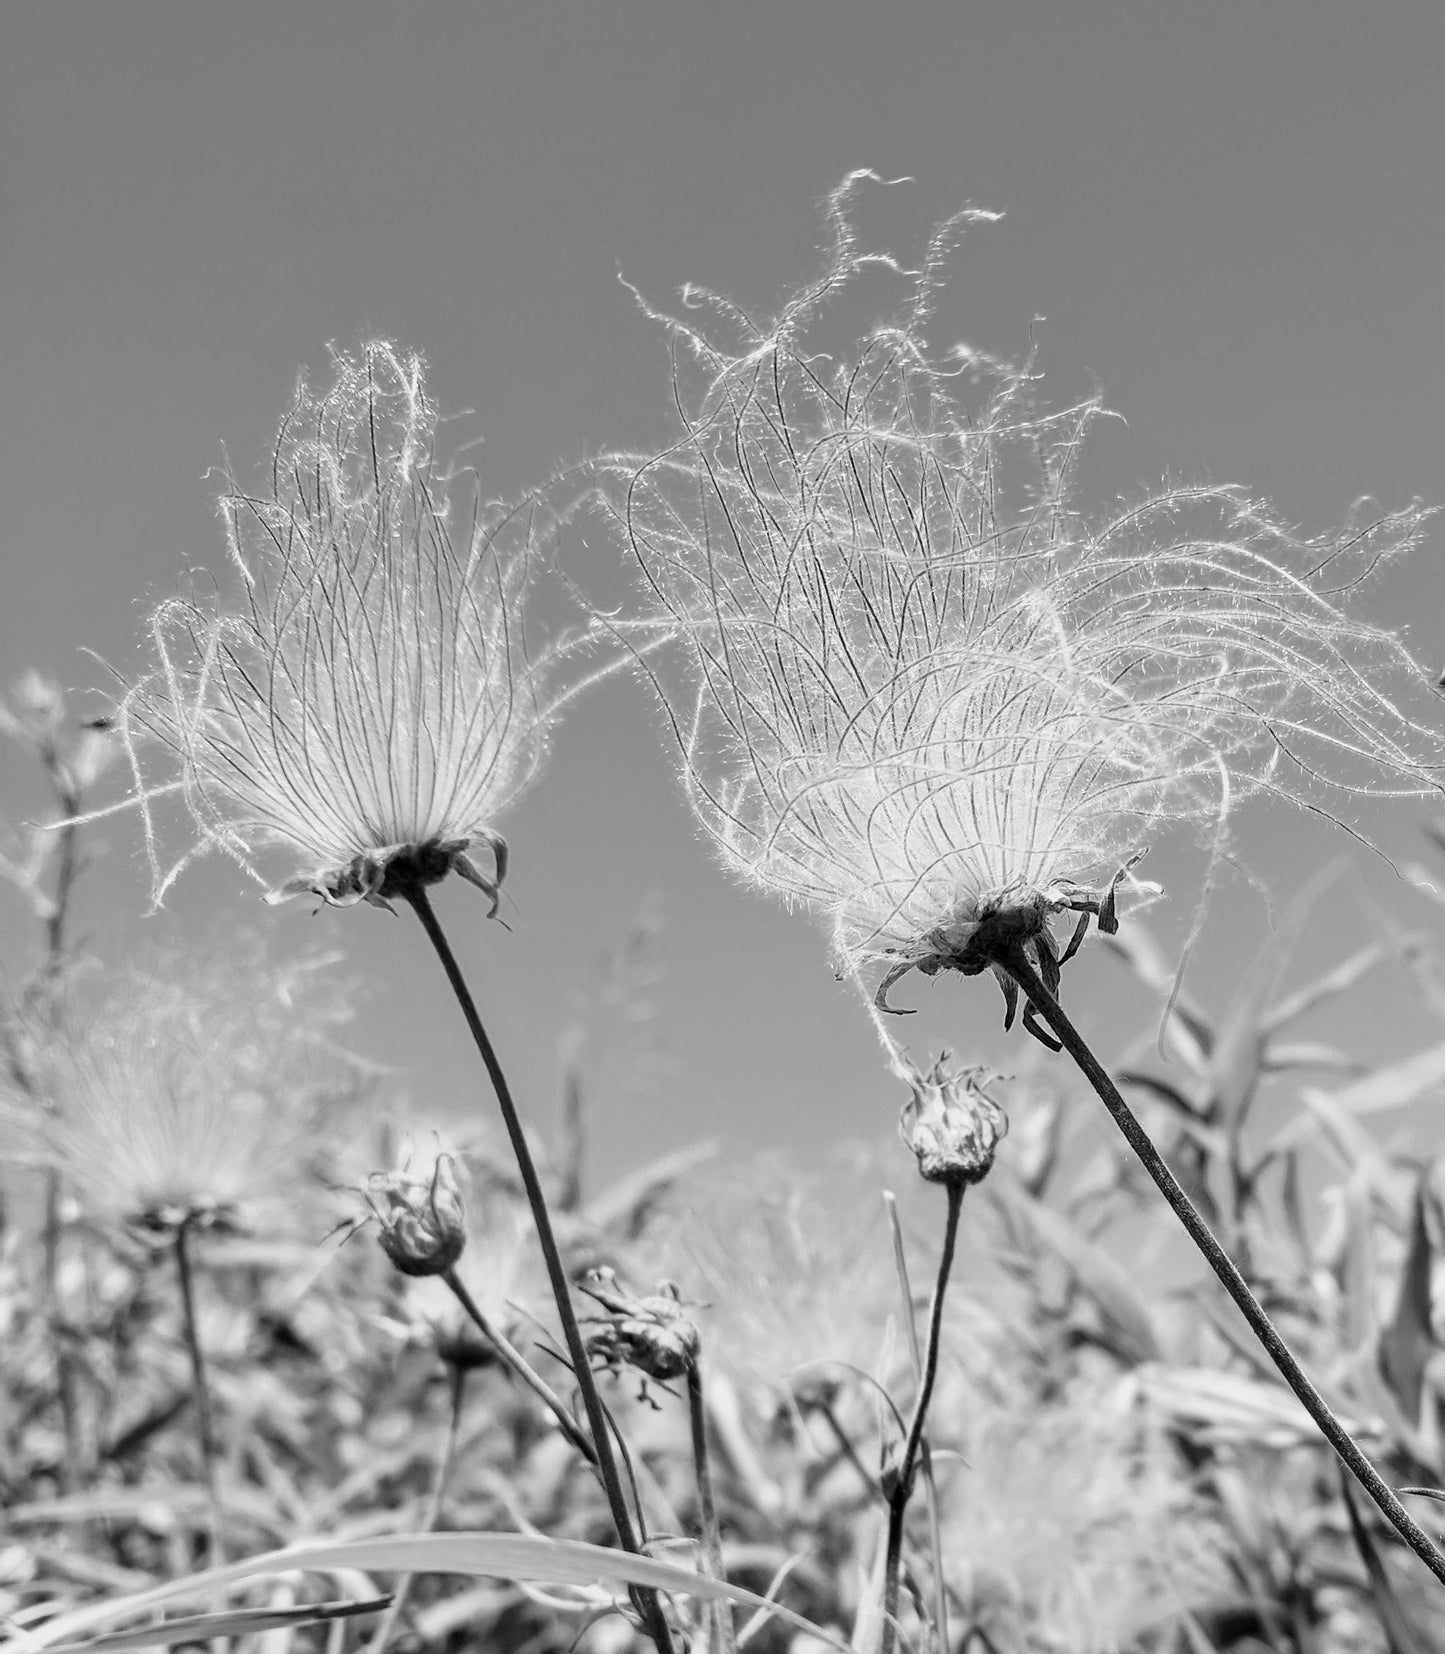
pixel 951 1123
pixel 422 1224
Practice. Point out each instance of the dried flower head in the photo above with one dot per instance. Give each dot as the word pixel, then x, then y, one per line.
pixel 951 1123
pixel 920 693
pixel 652 1332
pixel 421 1221
pixel 370 707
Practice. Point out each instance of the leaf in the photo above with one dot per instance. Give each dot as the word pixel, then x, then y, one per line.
pixel 1396 1085
pixel 869 1625
pixel 1406 1342
pixel 1343 977
pixel 1165 1090
pixel 238 1622
pixel 626 1205
pixel 1399 1633
pixel 1357 1150
pixel 1280 1056
pixel 1194 1634
pixel 1236 1062
pixel 1354 1266
pixel 1126 1313
pixel 1142 954
pixel 485 1555
pixel 1229 1407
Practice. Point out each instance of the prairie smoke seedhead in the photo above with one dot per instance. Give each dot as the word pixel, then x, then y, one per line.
pixel 158 1127
pixel 370 707
pixel 199 1088
pixel 920 693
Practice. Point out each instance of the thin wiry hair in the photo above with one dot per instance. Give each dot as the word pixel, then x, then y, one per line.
pixel 373 689
pixel 917 682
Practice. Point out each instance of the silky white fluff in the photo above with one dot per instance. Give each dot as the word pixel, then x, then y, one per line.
pixel 912 684
pixel 372 691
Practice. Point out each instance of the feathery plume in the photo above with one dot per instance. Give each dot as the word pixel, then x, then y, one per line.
pixel 370 707
pixel 188 1096
pixel 921 694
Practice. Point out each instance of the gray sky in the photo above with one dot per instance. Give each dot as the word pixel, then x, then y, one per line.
pixel 1232 217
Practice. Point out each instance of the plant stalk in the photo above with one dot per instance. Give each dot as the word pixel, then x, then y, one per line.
pixel 433 1510
pixel 645 1599
pixel 67 871
pixel 1028 979
pixel 712 1556
pixel 930 1483
pixel 902 1489
pixel 205 1428
pixel 519 1367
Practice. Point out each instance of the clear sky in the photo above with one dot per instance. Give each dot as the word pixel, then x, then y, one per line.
pixel 1232 217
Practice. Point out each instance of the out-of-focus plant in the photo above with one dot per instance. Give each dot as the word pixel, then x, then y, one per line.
pixel 1113 1472
pixel 73 754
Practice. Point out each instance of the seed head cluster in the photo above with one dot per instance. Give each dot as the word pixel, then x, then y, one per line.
pixel 370 706
pixel 916 688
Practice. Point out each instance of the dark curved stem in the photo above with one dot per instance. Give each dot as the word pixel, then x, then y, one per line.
pixel 205 1426
pixel 645 1599
pixel 1028 979
pixel 907 1468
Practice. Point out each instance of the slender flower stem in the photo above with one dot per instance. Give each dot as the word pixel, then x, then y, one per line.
pixel 67 871
pixel 520 1368
pixel 1022 971
pixel 433 1509
pixel 644 1598
pixel 930 1483
pixel 711 1534
pixel 71 1473
pixel 846 1447
pixel 205 1430
pixel 903 1487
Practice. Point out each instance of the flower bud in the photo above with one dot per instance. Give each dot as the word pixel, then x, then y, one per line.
pixel 423 1226
pixel 951 1123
